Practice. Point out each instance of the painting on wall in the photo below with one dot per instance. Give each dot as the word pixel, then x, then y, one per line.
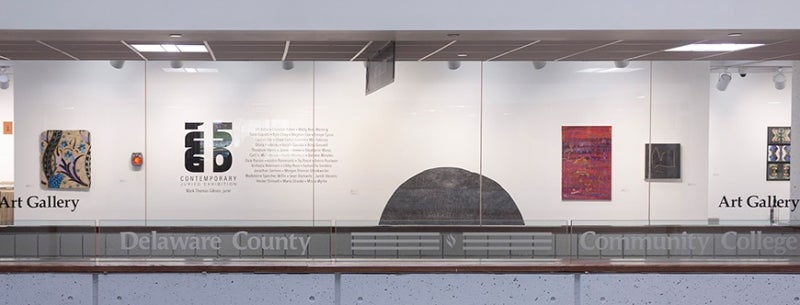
pixel 65 158
pixel 662 161
pixel 586 162
pixel 450 196
pixel 779 155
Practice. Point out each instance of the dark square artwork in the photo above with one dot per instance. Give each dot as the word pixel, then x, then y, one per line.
pixel 779 153
pixel 662 161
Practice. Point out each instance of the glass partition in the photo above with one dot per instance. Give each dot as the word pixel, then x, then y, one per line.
pixel 485 144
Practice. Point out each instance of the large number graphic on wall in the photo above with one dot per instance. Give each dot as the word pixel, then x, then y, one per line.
pixel 194 158
pixel 779 150
pixel 662 161
pixel 65 158
pixel 586 163
pixel 450 196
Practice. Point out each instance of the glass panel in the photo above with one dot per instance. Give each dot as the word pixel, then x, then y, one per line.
pixel 407 154
pixel 563 140
pixel 231 140
pixel 82 120
pixel 537 241
pixel 215 240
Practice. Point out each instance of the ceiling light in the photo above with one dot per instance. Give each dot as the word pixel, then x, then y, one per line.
pixel 609 70
pixel 171 48
pixel 538 65
pixel 779 79
pixel 117 64
pixel 186 48
pixel 714 47
pixel 735 35
pixel 176 64
pixel 5 82
pixel 148 47
pixel 723 81
pixel 462 55
pixel 175 35
pixel 192 48
pixel 453 65
pixel 287 65
pixel 190 70
pixel 621 63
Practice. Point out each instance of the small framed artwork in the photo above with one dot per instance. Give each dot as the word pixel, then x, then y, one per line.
pixel 65 158
pixel 662 161
pixel 779 153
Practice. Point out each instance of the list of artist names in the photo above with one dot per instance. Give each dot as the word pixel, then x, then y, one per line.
pixel 288 155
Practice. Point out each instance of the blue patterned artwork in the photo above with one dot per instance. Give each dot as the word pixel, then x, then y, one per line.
pixel 779 153
pixel 65 158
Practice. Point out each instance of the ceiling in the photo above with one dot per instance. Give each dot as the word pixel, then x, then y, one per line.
pixel 410 45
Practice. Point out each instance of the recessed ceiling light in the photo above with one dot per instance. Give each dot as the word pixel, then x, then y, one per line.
pixel 148 47
pixel 175 35
pixel 190 70
pixel 735 35
pixel 609 70
pixel 192 48
pixel 185 48
pixel 462 55
pixel 171 48
pixel 714 47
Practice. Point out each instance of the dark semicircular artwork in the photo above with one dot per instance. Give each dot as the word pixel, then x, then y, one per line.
pixel 450 196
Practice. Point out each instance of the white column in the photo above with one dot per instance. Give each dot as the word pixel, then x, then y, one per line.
pixel 795 171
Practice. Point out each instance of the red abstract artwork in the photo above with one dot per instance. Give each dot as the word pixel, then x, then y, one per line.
pixel 585 162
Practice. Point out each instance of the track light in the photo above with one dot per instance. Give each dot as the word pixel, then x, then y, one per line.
pixel 117 64
pixel 176 64
pixel 538 65
pixel 724 80
pixel 453 64
pixel 779 79
pixel 5 82
pixel 621 64
pixel 287 65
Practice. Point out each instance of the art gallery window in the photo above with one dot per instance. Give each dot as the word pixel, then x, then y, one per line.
pixel 485 143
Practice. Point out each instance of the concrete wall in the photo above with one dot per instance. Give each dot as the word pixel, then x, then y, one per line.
pixel 363 289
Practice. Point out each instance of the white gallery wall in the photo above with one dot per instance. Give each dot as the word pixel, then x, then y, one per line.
pixel 738 121
pixel 524 110
pixel 88 95
pixel 503 119
pixel 7 141
pixel 254 97
pixel 428 118
pixel 679 114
